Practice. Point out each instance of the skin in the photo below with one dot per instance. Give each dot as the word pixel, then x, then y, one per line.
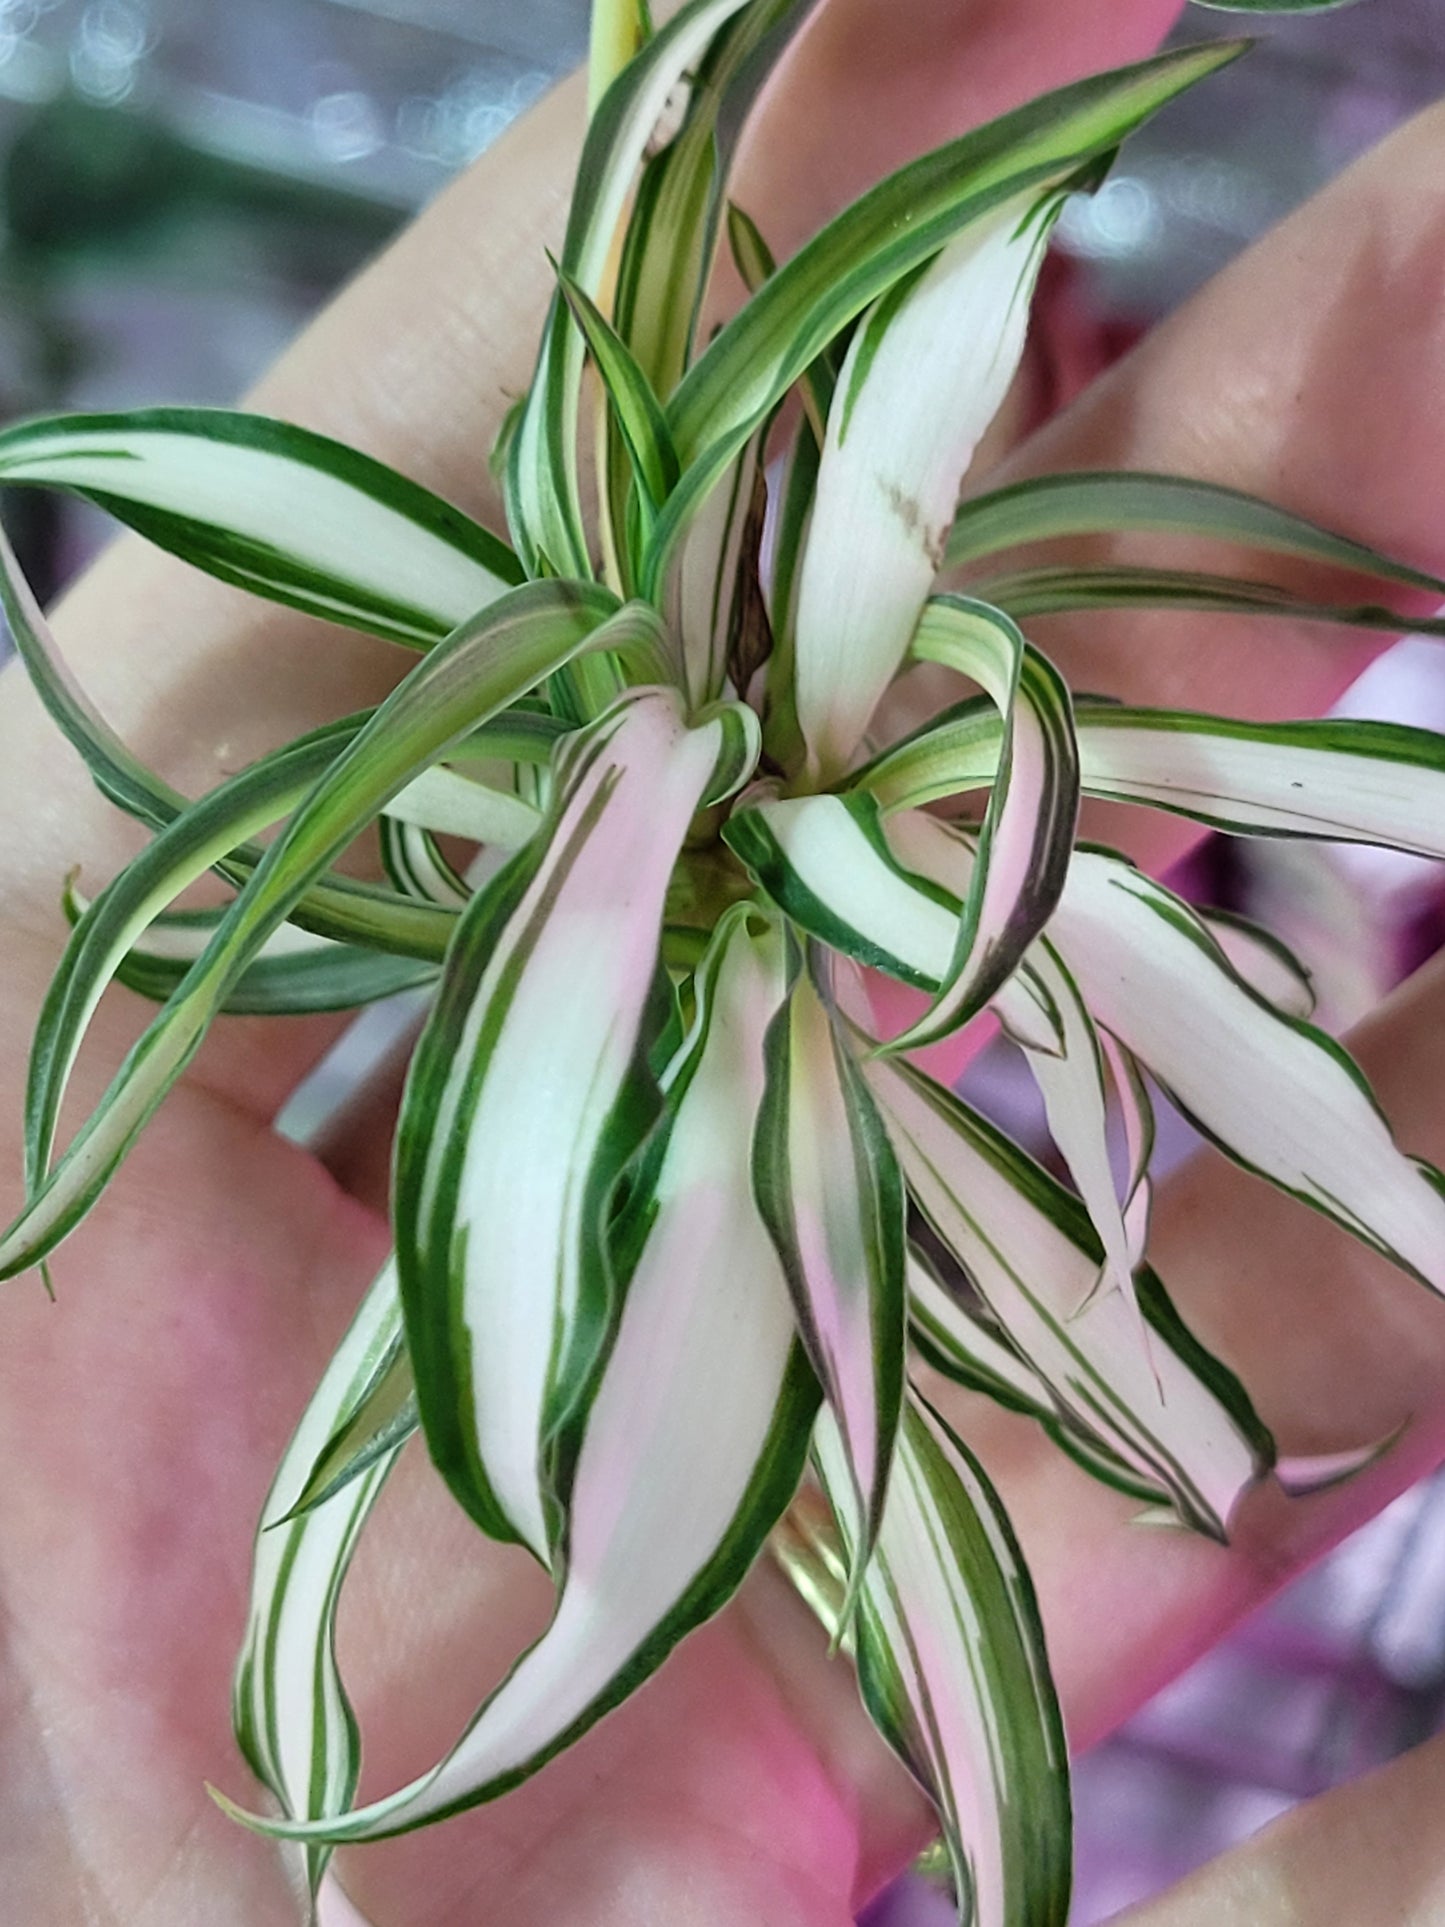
pixel 140 1417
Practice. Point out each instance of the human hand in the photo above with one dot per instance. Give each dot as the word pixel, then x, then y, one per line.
pixel 142 1416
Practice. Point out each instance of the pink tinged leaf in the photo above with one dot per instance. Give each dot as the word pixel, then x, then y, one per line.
pixel 926 371
pixel 694 1440
pixel 953 1670
pixel 1277 1095
pixel 1023 848
pixel 829 1189
pixel 1167 1411
pixel 520 1103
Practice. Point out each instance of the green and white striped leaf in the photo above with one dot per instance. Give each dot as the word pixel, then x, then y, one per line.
pixel 1340 779
pixel 289 1707
pixel 1022 853
pixel 414 862
pixel 452 803
pixel 1151 973
pixel 1072 1081
pixel 697 1434
pixel 955 1675
pixel 635 407
pixel 528 1093
pixel 671 239
pixel 957 1338
pixel 342 908
pixel 828 1188
pixel 824 860
pixel 1169 1411
pixel 884 236
pixel 373 1424
pixel 543 498
pixel 110 928
pixel 672 236
pixel 296 973
pixel 1269 967
pixel 278 510
pixel 483 666
pixel 1044 592
pixel 1100 502
pixel 925 373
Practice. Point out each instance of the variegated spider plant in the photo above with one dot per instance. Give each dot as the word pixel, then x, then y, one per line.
pixel 671 1217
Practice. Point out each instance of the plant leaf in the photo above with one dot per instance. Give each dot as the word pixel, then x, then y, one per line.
pixel 527 1095
pixel 896 227
pixel 1104 502
pixel 447 801
pixel 828 1188
pixel 379 1417
pixel 1170 1412
pixel 926 371
pixel 414 862
pixel 956 1337
pixel 289 1708
pixel 694 1441
pixel 295 974
pixel 1152 974
pixel 637 411
pixel 338 907
pixel 954 1673
pixel 1341 779
pixel 1042 592
pixel 278 510
pixel 484 666
pixel 1023 850
pixel 1269 967
pixel 543 499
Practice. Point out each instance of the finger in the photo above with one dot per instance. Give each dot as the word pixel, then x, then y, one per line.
pixel 1362 1854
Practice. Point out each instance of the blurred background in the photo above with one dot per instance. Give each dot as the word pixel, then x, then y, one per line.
pixel 182 183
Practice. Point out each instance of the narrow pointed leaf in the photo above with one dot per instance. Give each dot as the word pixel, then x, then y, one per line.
pixel 1072 1082
pixel 954 1672
pixel 637 411
pixel 278 510
pixel 380 1418
pixel 1152 974
pixel 1170 1412
pixel 450 802
pixel 1341 779
pixel 484 666
pixel 1101 502
pixel 1269 967
pixel 620 28
pixel 543 498
pixel 527 1095
pixel 696 1437
pixel 954 1334
pixel 824 860
pixel 416 866
pixel 295 974
pixel 109 928
pixel 895 228
pixel 338 907
pixel 829 1190
pixel 1043 592
pixel 290 1710
pixel 926 371
pixel 1023 850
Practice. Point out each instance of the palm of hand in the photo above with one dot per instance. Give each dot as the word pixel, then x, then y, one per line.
pixel 140 1420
